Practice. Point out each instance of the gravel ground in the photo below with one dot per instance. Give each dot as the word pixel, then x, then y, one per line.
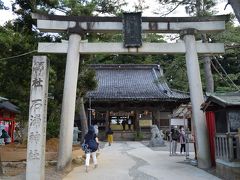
pixel 50 174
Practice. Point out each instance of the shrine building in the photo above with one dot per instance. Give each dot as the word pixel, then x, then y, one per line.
pixel 134 93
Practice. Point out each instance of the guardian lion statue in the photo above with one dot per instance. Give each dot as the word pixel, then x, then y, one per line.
pixel 156 139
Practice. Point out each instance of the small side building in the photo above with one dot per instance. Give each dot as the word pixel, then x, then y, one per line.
pixel 223 119
pixel 8 113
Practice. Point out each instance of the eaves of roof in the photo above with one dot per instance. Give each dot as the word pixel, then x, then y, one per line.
pixel 9 106
pixel 131 82
pixel 224 100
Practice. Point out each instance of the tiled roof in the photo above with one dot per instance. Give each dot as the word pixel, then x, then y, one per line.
pixel 9 106
pixel 225 99
pixel 124 82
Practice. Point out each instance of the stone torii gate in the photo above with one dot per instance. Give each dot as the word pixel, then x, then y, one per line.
pixel 187 27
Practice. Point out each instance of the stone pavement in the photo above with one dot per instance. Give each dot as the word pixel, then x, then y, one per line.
pixel 135 161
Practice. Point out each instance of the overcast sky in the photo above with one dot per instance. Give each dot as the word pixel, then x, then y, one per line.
pixel 6 15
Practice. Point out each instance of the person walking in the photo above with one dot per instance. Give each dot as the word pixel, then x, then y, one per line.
pixel 174 138
pixel 124 124
pixel 110 136
pixel 182 139
pixel 90 147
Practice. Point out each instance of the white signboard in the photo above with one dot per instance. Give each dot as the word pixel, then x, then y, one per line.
pixel 178 122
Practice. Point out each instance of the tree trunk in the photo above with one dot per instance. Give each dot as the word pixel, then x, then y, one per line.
pixel 199 7
pixel 207 61
pixel 208 70
pixel 236 8
pixel 208 75
pixel 83 117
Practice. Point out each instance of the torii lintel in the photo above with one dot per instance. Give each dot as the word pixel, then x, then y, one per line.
pixel 55 23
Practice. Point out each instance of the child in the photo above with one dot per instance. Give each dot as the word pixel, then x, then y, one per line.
pixel 110 136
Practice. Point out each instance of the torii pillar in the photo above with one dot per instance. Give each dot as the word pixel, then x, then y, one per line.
pixel 68 104
pixel 196 94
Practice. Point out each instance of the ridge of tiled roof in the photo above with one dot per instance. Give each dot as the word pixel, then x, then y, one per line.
pixel 3 99
pixel 124 66
pixel 225 99
pixel 138 82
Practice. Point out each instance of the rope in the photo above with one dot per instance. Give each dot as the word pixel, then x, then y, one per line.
pixel 30 52
pixel 224 71
pixel 12 57
pixel 220 74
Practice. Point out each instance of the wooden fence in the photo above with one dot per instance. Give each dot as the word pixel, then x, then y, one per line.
pixel 227 147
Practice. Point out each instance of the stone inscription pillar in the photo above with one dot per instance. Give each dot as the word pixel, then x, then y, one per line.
pixel 68 104
pixel 37 119
pixel 196 94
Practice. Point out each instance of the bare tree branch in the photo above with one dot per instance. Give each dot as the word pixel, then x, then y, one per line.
pixel 172 9
pixel 226 6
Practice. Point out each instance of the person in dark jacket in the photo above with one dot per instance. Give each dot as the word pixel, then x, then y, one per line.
pixel 5 136
pixel 90 147
pixel 124 124
pixel 174 139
